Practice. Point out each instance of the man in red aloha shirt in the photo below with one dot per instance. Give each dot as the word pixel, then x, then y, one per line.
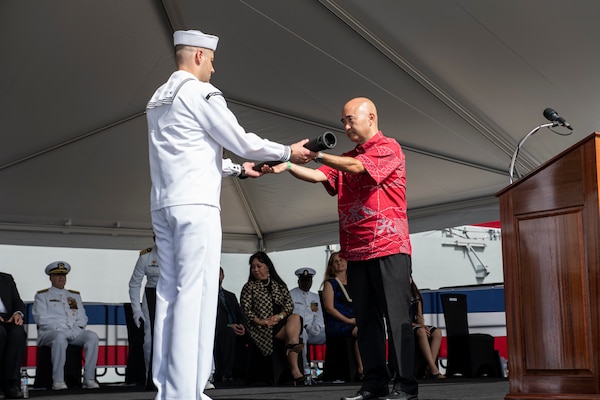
pixel 370 183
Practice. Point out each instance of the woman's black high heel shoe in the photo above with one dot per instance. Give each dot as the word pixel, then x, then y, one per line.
pixel 295 347
pixel 301 381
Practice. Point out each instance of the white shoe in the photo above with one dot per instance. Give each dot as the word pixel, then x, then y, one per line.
pixel 90 384
pixel 59 386
pixel 209 386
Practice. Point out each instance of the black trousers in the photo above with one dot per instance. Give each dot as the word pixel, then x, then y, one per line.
pixel 224 354
pixel 12 350
pixel 381 288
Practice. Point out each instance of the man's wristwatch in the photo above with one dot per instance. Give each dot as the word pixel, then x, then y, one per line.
pixel 319 158
pixel 242 174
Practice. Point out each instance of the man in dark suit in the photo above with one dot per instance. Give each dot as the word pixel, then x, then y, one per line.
pixel 229 327
pixel 12 337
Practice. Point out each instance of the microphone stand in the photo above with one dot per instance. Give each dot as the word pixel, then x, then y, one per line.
pixel 514 156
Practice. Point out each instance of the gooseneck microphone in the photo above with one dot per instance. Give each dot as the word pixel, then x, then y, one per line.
pixel 552 115
pixel 555 119
pixel 322 142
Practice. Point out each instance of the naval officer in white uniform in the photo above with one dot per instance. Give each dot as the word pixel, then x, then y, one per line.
pixel 189 125
pixel 308 305
pixel 61 320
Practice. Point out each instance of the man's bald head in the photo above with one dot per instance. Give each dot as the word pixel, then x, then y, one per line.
pixel 359 117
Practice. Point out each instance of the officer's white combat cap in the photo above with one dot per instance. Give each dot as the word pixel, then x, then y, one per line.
pixel 305 272
pixel 58 267
pixel 196 39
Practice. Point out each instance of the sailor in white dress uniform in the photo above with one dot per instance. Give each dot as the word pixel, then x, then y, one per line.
pixel 189 125
pixel 146 266
pixel 308 305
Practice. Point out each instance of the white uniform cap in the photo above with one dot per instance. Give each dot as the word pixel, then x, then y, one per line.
pixel 58 267
pixel 305 272
pixel 196 39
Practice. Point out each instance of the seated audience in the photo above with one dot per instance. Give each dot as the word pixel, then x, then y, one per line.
pixel 61 320
pixel 428 337
pixel 267 308
pixel 228 329
pixel 337 304
pixel 308 305
pixel 12 337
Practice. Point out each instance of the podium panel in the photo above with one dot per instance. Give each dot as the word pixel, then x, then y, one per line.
pixel 550 320
pixel 550 224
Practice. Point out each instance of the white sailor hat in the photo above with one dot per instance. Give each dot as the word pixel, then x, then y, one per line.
pixel 196 39
pixel 58 267
pixel 305 272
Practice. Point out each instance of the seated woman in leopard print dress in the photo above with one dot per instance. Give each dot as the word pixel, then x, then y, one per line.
pixel 267 307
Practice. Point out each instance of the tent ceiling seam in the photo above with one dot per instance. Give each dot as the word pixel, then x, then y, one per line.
pixel 405 147
pixel 436 209
pixel 70 141
pixel 324 230
pixel 498 140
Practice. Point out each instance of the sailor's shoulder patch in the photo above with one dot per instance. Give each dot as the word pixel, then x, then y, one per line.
pixel 211 94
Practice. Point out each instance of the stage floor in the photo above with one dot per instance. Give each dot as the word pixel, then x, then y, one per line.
pixel 447 389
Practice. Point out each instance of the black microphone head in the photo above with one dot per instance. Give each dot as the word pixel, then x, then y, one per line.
pixel 550 114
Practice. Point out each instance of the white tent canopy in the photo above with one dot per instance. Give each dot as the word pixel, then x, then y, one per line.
pixel 458 83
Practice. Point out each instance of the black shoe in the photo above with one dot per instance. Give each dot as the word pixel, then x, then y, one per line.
pixel 399 395
pixel 2 395
pixel 295 347
pixel 13 393
pixel 301 381
pixel 365 395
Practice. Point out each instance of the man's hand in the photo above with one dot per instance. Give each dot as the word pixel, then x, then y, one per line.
pixel 300 154
pixel 16 319
pixel 249 171
pixel 138 318
pixel 238 329
pixel 275 169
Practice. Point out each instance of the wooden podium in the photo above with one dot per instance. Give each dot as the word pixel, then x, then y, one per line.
pixel 550 223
